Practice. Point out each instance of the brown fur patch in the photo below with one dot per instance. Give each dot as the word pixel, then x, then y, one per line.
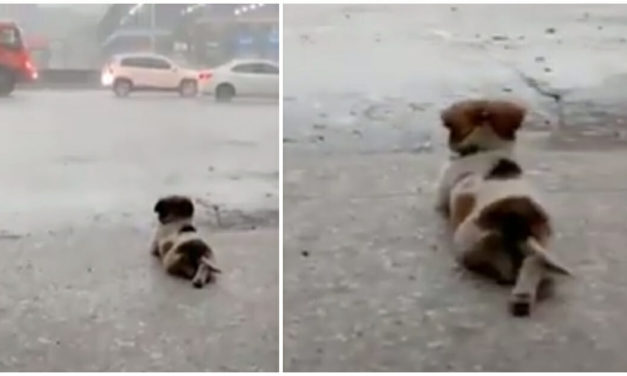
pixel 488 257
pixel 166 247
pixel 187 228
pixel 517 217
pixel 462 207
pixel 463 117
pixel 542 231
pixel 505 118
pixel 504 169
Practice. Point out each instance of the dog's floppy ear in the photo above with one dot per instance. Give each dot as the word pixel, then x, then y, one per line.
pixel 445 117
pixel 463 117
pixel 185 207
pixel 505 118
pixel 450 116
pixel 160 206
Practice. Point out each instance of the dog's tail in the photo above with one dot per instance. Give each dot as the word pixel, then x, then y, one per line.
pixel 532 247
pixel 210 264
pixel 522 222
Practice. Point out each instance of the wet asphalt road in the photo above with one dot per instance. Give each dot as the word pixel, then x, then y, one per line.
pixel 370 284
pixel 81 172
pixel 89 153
pixel 367 79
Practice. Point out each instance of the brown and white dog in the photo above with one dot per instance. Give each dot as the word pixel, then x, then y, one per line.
pixel 178 245
pixel 500 226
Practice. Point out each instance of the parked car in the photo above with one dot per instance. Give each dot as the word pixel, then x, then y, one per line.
pixel 243 77
pixel 15 62
pixel 150 72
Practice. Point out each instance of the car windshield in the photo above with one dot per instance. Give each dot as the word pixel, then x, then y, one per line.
pixel 180 62
pixel 184 63
pixel 10 37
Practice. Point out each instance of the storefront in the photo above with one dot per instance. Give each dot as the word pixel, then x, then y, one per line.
pixel 220 34
pixel 203 35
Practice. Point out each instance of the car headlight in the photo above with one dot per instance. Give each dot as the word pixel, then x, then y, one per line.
pixel 107 79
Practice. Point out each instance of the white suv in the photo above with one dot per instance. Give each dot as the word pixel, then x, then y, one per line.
pixel 150 72
pixel 243 77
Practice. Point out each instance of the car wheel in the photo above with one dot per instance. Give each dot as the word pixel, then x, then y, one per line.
pixel 225 92
pixel 188 88
pixel 7 82
pixel 122 87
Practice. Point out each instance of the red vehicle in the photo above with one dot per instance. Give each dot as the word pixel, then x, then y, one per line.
pixel 15 62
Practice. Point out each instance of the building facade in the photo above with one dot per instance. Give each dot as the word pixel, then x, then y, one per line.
pixel 201 34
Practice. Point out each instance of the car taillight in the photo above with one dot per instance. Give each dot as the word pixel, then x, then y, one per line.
pixel 204 75
pixel 30 68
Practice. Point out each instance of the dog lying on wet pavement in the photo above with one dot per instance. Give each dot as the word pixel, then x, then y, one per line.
pixel 500 226
pixel 180 248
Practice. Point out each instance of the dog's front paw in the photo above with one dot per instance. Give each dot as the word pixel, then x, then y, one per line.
pixel 521 304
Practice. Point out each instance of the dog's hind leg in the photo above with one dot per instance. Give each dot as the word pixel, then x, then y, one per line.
pixel 171 262
pixel 174 263
pixel 524 293
pixel 489 257
pixel 484 252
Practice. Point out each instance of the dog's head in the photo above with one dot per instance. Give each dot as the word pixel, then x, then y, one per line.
pixel 480 125
pixel 174 207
